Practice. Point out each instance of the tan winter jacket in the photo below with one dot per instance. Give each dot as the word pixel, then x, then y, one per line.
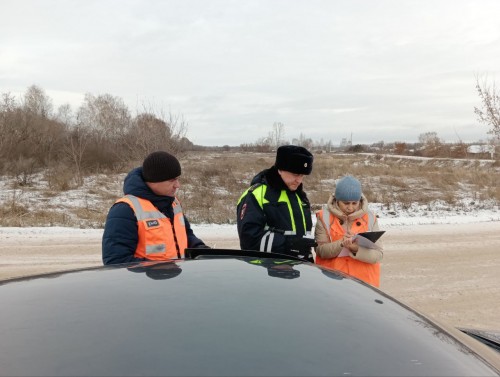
pixel 327 249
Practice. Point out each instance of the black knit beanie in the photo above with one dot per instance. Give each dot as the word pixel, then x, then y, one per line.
pixel 295 159
pixel 160 166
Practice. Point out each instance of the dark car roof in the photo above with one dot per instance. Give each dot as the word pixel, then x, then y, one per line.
pixel 230 316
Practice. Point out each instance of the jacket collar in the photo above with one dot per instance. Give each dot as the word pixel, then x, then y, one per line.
pixel 333 207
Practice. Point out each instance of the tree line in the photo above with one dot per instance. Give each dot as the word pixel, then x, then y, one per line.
pixel 100 135
pixel 103 134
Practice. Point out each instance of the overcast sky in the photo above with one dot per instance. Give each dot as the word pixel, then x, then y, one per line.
pixel 379 70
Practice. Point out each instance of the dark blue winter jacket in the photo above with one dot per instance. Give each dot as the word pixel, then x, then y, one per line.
pixel 120 236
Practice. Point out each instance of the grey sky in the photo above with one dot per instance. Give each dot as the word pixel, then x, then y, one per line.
pixel 381 70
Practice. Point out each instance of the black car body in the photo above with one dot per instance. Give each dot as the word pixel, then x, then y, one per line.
pixel 224 316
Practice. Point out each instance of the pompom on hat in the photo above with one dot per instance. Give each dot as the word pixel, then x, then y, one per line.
pixel 295 159
pixel 348 189
pixel 160 166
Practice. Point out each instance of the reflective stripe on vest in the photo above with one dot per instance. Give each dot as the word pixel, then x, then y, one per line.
pixel 157 238
pixel 370 273
pixel 259 192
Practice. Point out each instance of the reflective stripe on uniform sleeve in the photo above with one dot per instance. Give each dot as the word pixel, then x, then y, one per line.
pixel 266 243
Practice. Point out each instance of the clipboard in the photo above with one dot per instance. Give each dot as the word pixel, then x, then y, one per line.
pixel 372 236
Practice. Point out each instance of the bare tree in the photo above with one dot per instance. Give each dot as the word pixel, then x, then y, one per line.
pixel 262 144
pixel 7 108
pixel 303 141
pixel 147 134
pixel 37 102
pixel 153 130
pixel 429 138
pixel 45 132
pixel 400 147
pixel 489 112
pixel 106 120
pixel 178 127
pixel 431 143
pixel 277 135
pixel 105 115
pixel 28 130
pixel 13 128
pixel 75 148
pixel 7 102
pixel 65 115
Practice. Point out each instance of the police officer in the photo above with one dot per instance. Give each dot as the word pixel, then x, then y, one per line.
pixel 274 214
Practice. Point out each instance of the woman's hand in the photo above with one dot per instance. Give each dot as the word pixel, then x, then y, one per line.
pixel 348 243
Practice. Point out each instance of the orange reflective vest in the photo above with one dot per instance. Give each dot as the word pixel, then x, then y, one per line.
pixel 159 239
pixel 367 272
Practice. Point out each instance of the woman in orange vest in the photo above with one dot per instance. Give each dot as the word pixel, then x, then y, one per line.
pixel 346 214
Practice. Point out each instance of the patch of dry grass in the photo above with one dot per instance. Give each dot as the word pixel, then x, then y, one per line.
pixel 216 182
pixel 20 216
pixel 213 182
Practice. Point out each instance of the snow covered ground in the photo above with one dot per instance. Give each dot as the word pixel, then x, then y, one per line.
pixel 386 221
pixel 466 208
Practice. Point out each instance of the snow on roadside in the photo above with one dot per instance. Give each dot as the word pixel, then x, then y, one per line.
pixel 386 221
pixel 48 232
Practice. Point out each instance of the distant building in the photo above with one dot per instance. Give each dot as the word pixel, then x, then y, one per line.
pixel 481 150
pixel 345 143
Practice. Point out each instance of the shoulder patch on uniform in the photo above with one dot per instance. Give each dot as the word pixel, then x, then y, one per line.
pixel 243 210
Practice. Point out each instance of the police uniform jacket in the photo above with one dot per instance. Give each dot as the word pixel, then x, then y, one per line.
pixel 264 223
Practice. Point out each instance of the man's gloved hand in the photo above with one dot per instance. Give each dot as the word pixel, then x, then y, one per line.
pixel 301 245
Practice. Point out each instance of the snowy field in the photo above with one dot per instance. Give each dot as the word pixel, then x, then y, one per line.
pixel 412 217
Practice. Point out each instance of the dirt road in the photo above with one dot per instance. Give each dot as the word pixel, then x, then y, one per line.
pixel 450 272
